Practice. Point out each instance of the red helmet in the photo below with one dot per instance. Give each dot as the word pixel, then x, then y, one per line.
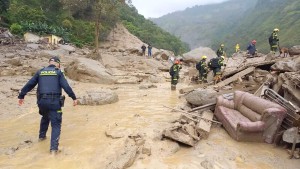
pixel 254 41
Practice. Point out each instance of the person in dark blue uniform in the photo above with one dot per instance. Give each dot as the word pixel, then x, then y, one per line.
pixel 50 82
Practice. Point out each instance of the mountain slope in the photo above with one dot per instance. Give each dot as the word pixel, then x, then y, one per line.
pixel 199 24
pixel 234 22
pixel 267 15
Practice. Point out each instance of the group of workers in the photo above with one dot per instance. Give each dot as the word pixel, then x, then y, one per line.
pixel 215 64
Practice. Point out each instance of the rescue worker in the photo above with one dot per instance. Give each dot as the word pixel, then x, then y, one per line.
pixel 203 69
pixel 143 50
pixel 174 72
pixel 50 81
pixel 237 48
pixel 220 52
pixel 217 70
pixel 251 49
pixel 274 41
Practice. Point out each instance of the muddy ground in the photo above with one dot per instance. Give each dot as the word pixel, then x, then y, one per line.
pixel 84 143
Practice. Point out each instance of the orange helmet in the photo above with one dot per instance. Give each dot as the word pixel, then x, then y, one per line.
pixel 177 61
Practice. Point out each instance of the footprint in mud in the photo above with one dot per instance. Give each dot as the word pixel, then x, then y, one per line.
pixel 24 144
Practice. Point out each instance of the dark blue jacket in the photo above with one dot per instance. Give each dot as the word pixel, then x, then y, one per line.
pixel 251 48
pixel 50 80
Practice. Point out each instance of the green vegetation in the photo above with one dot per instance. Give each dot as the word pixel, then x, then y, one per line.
pixel 82 22
pixel 149 33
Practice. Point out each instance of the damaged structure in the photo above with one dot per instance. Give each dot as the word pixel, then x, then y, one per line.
pixel 258 100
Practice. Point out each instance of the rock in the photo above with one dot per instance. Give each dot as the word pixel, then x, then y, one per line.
pixel 14 61
pixel 68 48
pixel 290 134
pixel 10 55
pixel 201 97
pixel 33 46
pixel 31 38
pixel 155 79
pixel 58 52
pixel 295 50
pixel 196 54
pixel 146 149
pixel 147 86
pixel 98 97
pixel 179 136
pixel 125 157
pixel 88 70
pixel 287 66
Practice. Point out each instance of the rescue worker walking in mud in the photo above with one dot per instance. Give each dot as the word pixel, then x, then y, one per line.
pixel 50 82
pixel 174 72
pixel 202 68
pixel 220 52
pixel 215 64
pixel 274 41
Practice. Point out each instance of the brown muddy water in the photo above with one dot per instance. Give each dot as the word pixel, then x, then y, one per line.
pixel 84 144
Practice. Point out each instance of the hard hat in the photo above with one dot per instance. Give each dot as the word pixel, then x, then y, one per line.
pixel 222 57
pixel 276 30
pixel 177 61
pixel 254 41
pixel 222 45
pixel 55 59
pixel 204 57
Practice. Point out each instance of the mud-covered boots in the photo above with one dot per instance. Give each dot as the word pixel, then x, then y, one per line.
pixel 173 87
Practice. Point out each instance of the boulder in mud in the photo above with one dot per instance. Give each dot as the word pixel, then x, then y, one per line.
pixel 88 70
pixel 201 96
pixel 98 97
pixel 147 86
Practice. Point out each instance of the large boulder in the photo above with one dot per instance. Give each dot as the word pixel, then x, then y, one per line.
pixel 287 66
pixel 88 70
pixel 201 96
pixel 98 97
pixel 295 50
pixel 196 54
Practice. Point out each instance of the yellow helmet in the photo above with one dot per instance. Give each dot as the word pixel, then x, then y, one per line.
pixel 276 30
pixel 204 57
pixel 222 57
pixel 222 45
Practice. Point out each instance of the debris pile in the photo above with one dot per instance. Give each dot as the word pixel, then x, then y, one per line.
pixel 190 128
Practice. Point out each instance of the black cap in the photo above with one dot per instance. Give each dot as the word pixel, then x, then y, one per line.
pixel 55 59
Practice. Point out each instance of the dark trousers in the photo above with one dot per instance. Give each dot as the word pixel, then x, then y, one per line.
pixel 149 53
pixel 174 80
pixel 50 109
pixel 202 75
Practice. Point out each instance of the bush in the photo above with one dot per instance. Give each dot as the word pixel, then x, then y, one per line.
pixel 67 24
pixel 16 29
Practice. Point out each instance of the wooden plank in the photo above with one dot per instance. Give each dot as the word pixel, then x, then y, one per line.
pixel 203 107
pixel 235 77
pixel 203 127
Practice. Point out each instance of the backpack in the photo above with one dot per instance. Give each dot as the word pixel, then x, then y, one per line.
pixel 171 71
pixel 213 63
pixel 198 66
pixel 270 39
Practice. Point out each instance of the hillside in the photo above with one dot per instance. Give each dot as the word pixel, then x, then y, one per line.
pixel 259 23
pixel 199 25
pixel 234 22
pixel 76 21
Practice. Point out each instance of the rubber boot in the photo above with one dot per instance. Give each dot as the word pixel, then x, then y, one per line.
pixel 173 87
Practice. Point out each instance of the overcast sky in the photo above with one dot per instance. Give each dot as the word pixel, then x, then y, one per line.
pixel 157 8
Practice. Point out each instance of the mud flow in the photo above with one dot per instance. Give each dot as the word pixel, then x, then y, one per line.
pixel 92 136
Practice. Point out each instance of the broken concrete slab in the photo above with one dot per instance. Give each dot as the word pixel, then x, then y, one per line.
pixel 179 136
pixel 203 127
pixel 235 77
